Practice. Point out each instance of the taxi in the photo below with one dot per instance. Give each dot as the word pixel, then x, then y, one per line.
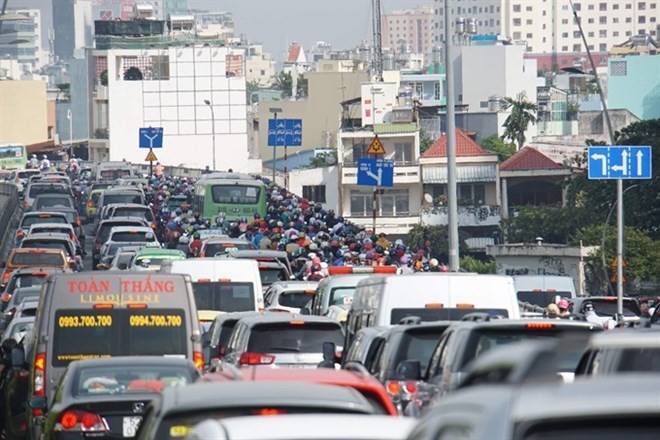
pixel 150 259
pixel 26 257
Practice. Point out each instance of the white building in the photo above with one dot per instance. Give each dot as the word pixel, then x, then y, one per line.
pixel 220 24
pixel 21 39
pixel 168 87
pixel 259 65
pixel 547 26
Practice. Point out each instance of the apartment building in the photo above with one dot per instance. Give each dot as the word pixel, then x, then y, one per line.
pixel 21 38
pixel 409 30
pixel 547 26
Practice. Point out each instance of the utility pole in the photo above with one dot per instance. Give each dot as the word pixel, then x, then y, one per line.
pixel 378 45
pixel 452 203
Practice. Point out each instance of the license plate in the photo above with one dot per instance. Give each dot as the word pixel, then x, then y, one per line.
pixel 130 426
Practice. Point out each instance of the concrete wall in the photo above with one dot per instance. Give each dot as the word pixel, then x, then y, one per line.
pixel 642 74
pixel 317 176
pixel 23 112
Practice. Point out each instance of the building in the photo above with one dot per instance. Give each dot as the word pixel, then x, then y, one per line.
pixel 220 24
pixel 113 9
pixel 259 66
pixel 20 39
pixel 195 89
pixel 548 27
pixel 72 21
pixel 409 31
pixel 318 184
pixel 26 114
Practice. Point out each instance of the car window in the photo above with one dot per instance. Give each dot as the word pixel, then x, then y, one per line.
pixel 225 297
pixel 25 280
pixel 37 259
pixel 130 379
pixel 134 236
pixel 41 218
pixel 293 338
pixel 417 345
pixel 295 298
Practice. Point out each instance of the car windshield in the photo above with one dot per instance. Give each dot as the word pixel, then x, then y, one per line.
pixel 45 244
pixel 269 276
pixel 131 197
pixel 608 308
pixel 25 280
pixel 295 337
pixel 212 249
pixel 17 327
pixel 133 212
pixel 134 236
pixel 224 296
pixel 341 296
pixel 235 194
pixel 417 345
pixel 30 220
pixel 541 298
pixel 37 259
pixel 104 230
pixel 88 334
pixel 129 379
pixel 295 298
pixel 52 202
pixel 37 189
pixel 22 295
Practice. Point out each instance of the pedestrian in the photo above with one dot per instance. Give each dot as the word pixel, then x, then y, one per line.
pixel 158 170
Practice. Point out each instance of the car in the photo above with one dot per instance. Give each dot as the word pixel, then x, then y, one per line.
pixel 465 341
pixel 130 210
pixel 27 308
pixel 21 177
pixel 14 383
pixel 35 188
pixel 25 277
pixel 17 325
pixel 18 258
pixel 123 258
pixel 605 307
pixel 363 348
pixel 23 294
pixel 127 194
pixel 610 407
pixel 110 249
pixel 103 233
pixel 214 246
pixel 44 202
pixel 282 339
pixel 216 338
pixel 34 218
pixel 289 296
pixel 54 227
pixel 175 411
pixel 302 427
pixel 73 217
pixel 92 198
pixel 368 386
pixel 266 256
pixel 621 351
pixel 54 240
pixel 177 201
pixel 106 397
pixel 150 259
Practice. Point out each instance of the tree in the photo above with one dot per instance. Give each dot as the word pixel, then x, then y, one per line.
pixel 302 87
pixel 471 264
pixel 439 238
pixel 554 225
pixel 425 141
pixel 284 83
pixel 523 112
pixel 251 88
pixel 63 93
pixel 496 145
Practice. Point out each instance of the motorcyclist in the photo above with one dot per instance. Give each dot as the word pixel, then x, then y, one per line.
pixel 44 165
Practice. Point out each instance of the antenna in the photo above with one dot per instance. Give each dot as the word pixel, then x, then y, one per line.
pixel 378 47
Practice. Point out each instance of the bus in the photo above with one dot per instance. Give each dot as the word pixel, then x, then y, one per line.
pixel 13 157
pixel 234 195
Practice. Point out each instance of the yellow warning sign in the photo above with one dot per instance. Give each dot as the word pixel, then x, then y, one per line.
pixel 376 147
pixel 151 157
pixel 615 262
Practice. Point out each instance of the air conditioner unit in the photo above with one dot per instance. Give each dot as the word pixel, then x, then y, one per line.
pixel 401 115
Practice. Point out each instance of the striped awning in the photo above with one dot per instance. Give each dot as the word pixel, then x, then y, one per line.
pixel 464 173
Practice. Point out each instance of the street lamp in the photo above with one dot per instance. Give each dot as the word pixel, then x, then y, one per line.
pixel 207 102
pixel 69 116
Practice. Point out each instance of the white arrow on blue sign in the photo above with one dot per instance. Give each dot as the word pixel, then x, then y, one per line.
pixel 620 162
pixel 151 137
pixel 375 172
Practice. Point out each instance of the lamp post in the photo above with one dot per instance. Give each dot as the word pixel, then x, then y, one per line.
pixel 207 102
pixel 69 116
pixel 374 205
pixel 274 111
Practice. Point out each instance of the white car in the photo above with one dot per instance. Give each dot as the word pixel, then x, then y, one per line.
pixel 289 296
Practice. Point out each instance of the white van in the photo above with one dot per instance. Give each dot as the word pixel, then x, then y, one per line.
pixel 386 300
pixel 221 285
pixel 541 290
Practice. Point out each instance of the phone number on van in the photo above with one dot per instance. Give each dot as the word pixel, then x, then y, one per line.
pixel 155 321
pixel 85 321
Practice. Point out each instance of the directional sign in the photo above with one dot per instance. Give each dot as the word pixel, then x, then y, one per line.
pixel 375 172
pixel 151 137
pixel 293 135
pixel 620 162
pixel 276 132
pixel 376 147
pixel 151 157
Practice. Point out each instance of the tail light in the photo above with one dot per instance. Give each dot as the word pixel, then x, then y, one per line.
pixel 78 223
pixel 82 421
pixel 90 204
pixel 5 276
pixel 39 380
pixel 249 358
pixel 6 297
pixel 198 359
pixel 411 387
pixel 393 387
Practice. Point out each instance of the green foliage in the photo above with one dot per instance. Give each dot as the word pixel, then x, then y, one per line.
pixel 103 77
pixel 321 160
pixel 63 92
pixel 284 83
pixel 439 238
pixel 470 264
pixel 641 252
pixel 425 141
pixel 554 225
pixel 523 112
pixel 496 145
pixel 251 88
pixel 302 87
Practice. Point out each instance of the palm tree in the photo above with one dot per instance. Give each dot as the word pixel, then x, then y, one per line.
pixel 522 113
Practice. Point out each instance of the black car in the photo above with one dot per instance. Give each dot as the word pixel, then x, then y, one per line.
pixel 14 384
pixel 105 398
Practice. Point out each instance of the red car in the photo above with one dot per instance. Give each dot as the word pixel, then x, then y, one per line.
pixel 369 387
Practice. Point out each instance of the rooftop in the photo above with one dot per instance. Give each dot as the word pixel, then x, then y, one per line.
pixel 465 146
pixel 529 158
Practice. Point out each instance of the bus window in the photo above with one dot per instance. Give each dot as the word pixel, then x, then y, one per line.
pixel 13 156
pixel 243 195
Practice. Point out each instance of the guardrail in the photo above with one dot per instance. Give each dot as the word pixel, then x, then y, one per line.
pixel 9 205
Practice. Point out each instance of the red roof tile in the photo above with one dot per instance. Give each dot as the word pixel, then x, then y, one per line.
pixel 529 158
pixel 294 53
pixel 465 146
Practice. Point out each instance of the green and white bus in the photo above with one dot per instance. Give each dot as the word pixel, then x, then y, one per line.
pixel 233 194
pixel 13 156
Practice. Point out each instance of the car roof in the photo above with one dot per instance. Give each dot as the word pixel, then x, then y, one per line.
pixel 48 235
pixel 52 225
pixel 284 318
pixel 159 252
pixel 526 323
pixel 222 317
pixel 132 228
pixel 200 396
pixel 295 285
pixel 119 361
pixel 301 426
pixel 215 238
pixel 403 328
pixel 29 305
pixel 37 270
pixel 122 189
pixel 627 338
pixel 48 195
pixel 122 219
pixel 38 213
pixel 251 253
pixel 127 205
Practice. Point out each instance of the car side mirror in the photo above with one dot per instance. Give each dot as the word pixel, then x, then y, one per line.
pixel 409 370
pixel 37 402
pixel 329 350
pixel 17 357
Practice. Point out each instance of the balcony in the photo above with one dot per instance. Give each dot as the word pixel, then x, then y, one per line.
pixel 404 172
pixel 389 225
pixel 484 215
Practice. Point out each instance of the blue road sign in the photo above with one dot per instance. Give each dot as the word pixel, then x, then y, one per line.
pixel 620 162
pixel 375 172
pixel 151 137
pixel 293 136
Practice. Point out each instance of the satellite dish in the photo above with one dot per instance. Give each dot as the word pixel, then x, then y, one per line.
pixel 428 198
pixel 330 159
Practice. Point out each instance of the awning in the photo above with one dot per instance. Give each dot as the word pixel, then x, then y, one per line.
pixel 464 173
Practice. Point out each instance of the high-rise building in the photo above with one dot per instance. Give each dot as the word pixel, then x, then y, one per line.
pixel 20 39
pixel 548 26
pixel 409 30
pixel 72 23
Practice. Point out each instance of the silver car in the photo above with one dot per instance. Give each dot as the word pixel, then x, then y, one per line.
pixel 289 296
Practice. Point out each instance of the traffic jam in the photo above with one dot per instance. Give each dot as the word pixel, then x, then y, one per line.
pixel 225 307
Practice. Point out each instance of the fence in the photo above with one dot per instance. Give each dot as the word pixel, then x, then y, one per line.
pixel 9 205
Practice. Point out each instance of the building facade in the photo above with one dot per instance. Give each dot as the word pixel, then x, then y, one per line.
pixel 259 66
pixel 409 31
pixel 547 26
pixel 640 73
pixel 72 24
pixel 24 112
pixel 21 38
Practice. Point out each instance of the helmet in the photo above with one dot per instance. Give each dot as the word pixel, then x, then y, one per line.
pixel 588 307
pixel 196 235
pixel 44 157
pixel 183 239
pixel 563 304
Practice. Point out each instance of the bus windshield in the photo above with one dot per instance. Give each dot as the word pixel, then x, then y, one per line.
pixel 224 296
pixel 12 152
pixel 237 194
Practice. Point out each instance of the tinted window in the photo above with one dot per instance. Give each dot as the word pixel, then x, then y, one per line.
pixel 341 296
pixel 541 299
pixel 235 194
pixel 37 259
pixel 122 198
pixel 104 230
pixel 269 276
pixel 133 212
pixel 442 314
pixel 24 295
pixel 225 332
pixel 640 359
pixel 52 202
pixel 136 236
pixel 41 218
pixel 226 297
pixel 45 244
pixel 129 379
pixel 608 308
pixel 35 190
pixel 114 174
pixel 293 338
pixel 295 298
pixel 85 334
pixel 212 249
pixel 25 280
pixel 417 346
pixel 629 427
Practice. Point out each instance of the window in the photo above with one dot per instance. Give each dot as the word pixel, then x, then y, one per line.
pixel 652 5
pixel 359 151
pixel 437 91
pixel 590 21
pixel 628 33
pixel 516 22
pixel 361 203
pixel 578 6
pixel 529 36
pixel 615 6
pixel 615 33
pixel 602 47
pixel 564 48
pixel 564 21
pixel 590 34
pixel 602 33
pixel 628 6
pixel 403 153
pixel 641 19
pixel 628 19
pixel 471 193
pixel 314 192
pixel 564 34
pixel 528 22
pixel 590 7
pixel 577 48
pixel 602 20
pixel 576 34
pixel 528 8
pixel 652 19
pixel 615 19
pixel 602 6
pixel 390 202
pixel 483 104
pixel 641 6
pixel 516 8
pixel 516 35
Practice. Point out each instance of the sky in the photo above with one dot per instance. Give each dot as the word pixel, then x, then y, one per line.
pixel 277 23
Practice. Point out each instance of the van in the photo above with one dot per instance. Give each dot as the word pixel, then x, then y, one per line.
pixel 96 315
pixel 112 170
pixel 541 290
pixel 386 300
pixel 221 285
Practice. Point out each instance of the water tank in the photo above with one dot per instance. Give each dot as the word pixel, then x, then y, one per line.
pixel 388 61
pixel 405 96
pixel 494 103
pixel 460 25
pixel 437 54
pixel 472 26
pixel 407 49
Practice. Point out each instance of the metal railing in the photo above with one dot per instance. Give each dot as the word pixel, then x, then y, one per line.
pixel 9 205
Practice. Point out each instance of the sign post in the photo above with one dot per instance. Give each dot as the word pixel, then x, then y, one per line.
pixel 619 163
pixel 284 133
pixel 375 172
pixel 151 158
pixel 151 137
pixel 275 130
